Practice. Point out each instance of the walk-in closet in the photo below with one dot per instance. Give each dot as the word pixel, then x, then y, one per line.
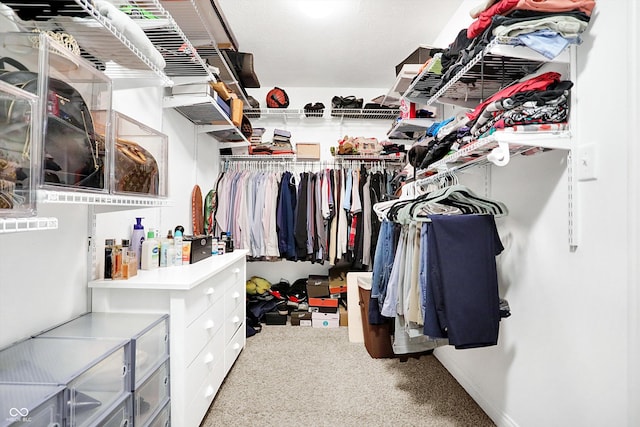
pixel 319 212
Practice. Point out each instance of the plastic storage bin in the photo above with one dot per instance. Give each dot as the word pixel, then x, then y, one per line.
pixel 149 335
pixel 70 155
pixel 163 419
pixel 31 405
pixel 17 161
pixel 120 416
pixel 152 395
pixel 93 371
pixel 139 156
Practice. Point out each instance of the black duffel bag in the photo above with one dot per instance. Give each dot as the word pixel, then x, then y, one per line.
pixel 73 155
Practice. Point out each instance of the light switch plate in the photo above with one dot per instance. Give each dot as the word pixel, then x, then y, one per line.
pixel 587 162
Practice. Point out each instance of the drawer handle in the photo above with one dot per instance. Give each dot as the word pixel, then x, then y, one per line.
pixel 235 295
pixel 209 291
pixel 124 370
pixel 210 324
pixel 236 270
pixel 236 346
pixel 166 381
pixel 208 358
pixel 124 423
pixel 235 320
pixel 209 392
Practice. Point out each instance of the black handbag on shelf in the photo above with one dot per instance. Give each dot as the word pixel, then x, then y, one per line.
pixel 73 155
pixel 346 102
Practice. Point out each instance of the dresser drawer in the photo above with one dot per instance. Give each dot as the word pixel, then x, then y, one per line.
pixel 233 348
pixel 234 297
pixel 198 334
pixel 203 397
pixel 151 395
pixel 210 359
pixel 204 295
pixel 233 322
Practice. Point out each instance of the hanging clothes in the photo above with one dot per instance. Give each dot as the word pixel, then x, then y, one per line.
pixel 438 281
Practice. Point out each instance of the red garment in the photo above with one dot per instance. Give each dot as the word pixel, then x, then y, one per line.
pixel 503 7
pixel 484 19
pixel 555 6
pixel 541 82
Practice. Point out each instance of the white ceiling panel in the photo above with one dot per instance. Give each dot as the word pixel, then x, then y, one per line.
pixel 333 43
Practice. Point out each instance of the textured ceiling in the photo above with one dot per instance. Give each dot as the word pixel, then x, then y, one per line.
pixel 333 43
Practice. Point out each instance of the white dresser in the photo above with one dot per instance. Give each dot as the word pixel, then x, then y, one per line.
pixel 206 306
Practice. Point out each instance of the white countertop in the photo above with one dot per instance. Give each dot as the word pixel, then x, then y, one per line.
pixel 174 278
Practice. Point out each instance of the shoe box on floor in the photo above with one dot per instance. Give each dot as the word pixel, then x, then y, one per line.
pixel 301 318
pixel 323 305
pixel 325 320
pixel 275 318
pixel 318 286
pixel 338 283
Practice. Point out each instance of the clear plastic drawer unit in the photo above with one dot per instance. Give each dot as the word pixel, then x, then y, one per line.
pixel 31 405
pixel 93 371
pixel 149 335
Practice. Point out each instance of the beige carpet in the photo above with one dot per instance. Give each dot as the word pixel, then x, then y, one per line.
pixel 301 376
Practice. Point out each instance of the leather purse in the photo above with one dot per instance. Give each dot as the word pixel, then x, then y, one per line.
pixel 136 170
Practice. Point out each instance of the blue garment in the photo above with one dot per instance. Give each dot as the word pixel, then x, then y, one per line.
pixel 548 43
pixel 348 186
pixel 285 217
pixel 431 326
pixel 382 265
pixel 464 279
pixel 434 128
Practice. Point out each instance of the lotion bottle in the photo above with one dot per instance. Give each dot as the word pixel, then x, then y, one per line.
pixel 150 253
pixel 177 243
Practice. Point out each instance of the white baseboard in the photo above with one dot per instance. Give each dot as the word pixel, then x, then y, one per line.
pixel 497 416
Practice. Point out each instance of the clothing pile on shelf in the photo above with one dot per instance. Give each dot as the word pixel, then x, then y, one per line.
pixel 540 103
pixel 256 136
pixel 306 216
pixel 279 145
pixel 546 26
pixel 434 271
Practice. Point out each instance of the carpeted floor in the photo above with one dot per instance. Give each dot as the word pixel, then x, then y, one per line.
pixel 302 376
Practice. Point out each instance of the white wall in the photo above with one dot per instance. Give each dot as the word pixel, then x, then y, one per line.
pixel 562 357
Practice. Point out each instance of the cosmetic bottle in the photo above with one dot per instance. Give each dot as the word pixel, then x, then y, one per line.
pixel 116 256
pixel 126 250
pixel 150 253
pixel 108 258
pixel 137 237
pixel 177 244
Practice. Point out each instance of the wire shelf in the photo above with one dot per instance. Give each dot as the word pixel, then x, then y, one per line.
pixel 484 75
pixel 72 197
pixel 15 225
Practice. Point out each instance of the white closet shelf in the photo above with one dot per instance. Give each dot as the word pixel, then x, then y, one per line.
pixel 498 65
pixel 72 197
pixel 149 44
pixel 14 225
pixel 475 153
pixel 410 125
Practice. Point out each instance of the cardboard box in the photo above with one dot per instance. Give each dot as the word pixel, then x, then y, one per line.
pixel 418 56
pixel 344 318
pixel 325 320
pixel 318 286
pixel 300 318
pixel 323 305
pixel 308 150
pixel 200 247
